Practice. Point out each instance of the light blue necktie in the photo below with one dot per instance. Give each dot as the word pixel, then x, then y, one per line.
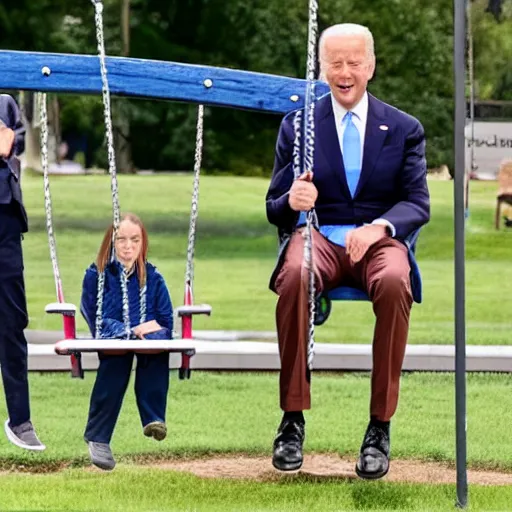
pixel 351 153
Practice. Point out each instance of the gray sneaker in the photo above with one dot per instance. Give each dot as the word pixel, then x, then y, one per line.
pixel 156 429
pixel 101 455
pixel 24 436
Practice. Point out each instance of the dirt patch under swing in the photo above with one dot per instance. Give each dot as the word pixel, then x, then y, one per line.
pixel 327 467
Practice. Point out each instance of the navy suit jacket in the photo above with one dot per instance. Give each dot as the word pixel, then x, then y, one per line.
pixel 11 188
pixel 392 185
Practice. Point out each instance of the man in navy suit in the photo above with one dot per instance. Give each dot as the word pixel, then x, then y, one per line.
pixel 368 187
pixel 13 306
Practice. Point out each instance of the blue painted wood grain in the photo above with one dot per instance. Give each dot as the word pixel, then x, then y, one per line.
pixel 153 79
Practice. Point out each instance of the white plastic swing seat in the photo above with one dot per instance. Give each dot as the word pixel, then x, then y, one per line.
pixel 194 309
pixel 67 347
pixel 63 308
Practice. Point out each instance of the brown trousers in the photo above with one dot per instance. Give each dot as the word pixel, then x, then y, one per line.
pixel 384 274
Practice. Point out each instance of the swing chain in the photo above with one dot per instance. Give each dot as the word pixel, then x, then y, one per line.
pixel 99 304
pixel 98 17
pixel 126 305
pixel 194 210
pixel 142 302
pixel 307 142
pixel 43 109
pixel 309 148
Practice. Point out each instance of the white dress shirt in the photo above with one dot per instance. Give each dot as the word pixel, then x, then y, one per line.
pixel 337 233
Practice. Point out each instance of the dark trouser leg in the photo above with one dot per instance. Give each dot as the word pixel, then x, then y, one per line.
pixel 292 286
pixel 151 386
pixel 385 273
pixel 14 376
pixel 107 396
pixel 13 319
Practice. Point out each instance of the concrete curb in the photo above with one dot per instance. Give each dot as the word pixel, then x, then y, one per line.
pixel 257 355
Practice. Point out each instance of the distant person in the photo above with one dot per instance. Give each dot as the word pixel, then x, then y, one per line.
pixel 150 317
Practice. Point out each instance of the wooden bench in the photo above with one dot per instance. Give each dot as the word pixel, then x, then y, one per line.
pixel 504 195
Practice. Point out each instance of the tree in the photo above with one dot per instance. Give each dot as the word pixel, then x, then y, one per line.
pixel 493 51
pixel 26 25
pixel 414 45
pixel 121 111
pixel 495 8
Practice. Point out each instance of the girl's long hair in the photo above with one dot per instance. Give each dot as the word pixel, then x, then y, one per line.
pixel 106 249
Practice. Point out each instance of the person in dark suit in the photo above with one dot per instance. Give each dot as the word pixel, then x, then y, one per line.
pixel 368 188
pixel 13 306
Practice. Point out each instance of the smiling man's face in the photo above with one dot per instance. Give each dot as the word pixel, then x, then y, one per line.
pixel 347 66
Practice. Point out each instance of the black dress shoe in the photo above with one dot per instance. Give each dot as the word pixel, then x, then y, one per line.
pixel 288 445
pixel 373 460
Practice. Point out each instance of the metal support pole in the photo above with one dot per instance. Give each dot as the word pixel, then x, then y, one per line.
pixel 459 219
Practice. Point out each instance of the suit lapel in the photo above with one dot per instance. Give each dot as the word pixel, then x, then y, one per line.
pixel 374 140
pixel 328 142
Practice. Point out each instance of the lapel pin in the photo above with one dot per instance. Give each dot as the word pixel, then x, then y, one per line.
pixel 384 127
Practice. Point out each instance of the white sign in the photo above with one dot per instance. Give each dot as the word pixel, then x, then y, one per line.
pixel 492 144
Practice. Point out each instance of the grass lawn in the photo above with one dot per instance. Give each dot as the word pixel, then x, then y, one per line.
pixel 135 489
pixel 219 413
pixel 238 413
pixel 236 250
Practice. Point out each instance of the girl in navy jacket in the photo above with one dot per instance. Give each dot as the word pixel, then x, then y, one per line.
pixel 146 315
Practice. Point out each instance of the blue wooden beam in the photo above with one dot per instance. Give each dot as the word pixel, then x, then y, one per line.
pixel 153 79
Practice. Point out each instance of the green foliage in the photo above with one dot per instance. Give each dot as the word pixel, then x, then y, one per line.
pixel 493 52
pixel 29 25
pixel 414 47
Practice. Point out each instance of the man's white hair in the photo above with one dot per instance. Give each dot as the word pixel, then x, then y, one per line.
pixel 347 29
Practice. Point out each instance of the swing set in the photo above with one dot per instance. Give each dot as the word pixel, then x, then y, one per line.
pixel 205 85
pixel 182 82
